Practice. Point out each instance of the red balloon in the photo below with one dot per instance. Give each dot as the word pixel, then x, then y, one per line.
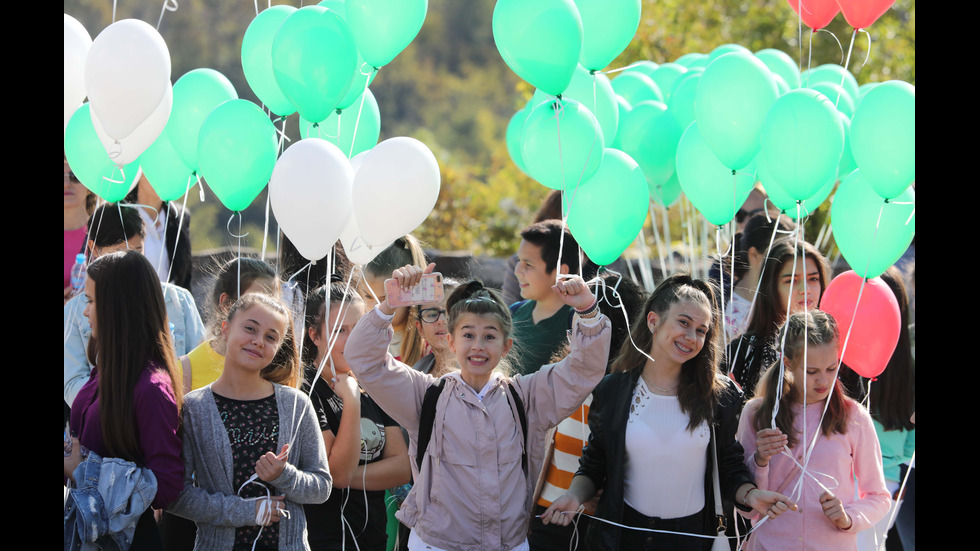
pixel 874 327
pixel 816 14
pixel 860 14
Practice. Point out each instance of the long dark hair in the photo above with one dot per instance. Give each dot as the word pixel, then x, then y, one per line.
pixel 699 388
pixel 893 392
pixel 768 314
pixel 132 335
pixel 812 328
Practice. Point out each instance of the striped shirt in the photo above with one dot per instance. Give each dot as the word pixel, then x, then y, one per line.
pixel 570 437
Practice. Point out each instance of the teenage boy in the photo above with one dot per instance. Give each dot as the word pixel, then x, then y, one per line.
pixel 542 319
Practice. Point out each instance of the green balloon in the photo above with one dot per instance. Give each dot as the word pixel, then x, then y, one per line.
pixel 196 94
pixel 635 87
pixel 730 105
pixel 257 58
pixel 834 74
pixel 782 64
pixel 645 67
pixel 666 76
pixel 847 164
pixel 838 96
pixel 726 49
pixel 91 164
pixel 650 134
pixel 782 200
pixel 167 173
pixel 383 28
pixel 883 137
pixel 514 128
pixel 624 108
pixel 314 59
pixel 667 194
pixel 708 183
pixel 365 73
pixel 689 60
pixel 368 128
pixel 237 149
pixel 599 98
pixel 540 41
pixel 562 146
pixel 681 103
pixel 863 91
pixel 608 27
pixel 854 215
pixel 802 142
pixel 607 213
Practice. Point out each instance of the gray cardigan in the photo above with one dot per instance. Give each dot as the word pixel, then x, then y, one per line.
pixel 209 498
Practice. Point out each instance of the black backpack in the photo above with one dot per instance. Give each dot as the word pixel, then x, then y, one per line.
pixel 428 419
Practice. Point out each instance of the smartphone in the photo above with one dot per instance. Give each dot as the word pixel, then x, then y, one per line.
pixel 429 289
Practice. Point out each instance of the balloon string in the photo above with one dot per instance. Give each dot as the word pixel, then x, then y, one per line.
pixel 868 55
pixel 668 241
pixel 611 71
pixel 256 2
pixel 847 62
pixel 268 196
pixel 839 45
pixel 168 7
pixel 200 185
pixel 721 276
pixel 357 122
pixel 657 241
pixel 113 11
pixel 180 225
pixel 799 31
pixel 809 59
pixel 163 248
pixel 646 271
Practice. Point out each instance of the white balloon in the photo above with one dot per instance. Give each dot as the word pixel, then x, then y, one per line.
pixel 131 147
pixel 310 192
pixel 395 189
pixel 356 249
pixel 77 44
pixel 127 73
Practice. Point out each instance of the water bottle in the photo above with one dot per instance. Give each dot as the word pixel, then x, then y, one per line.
pixel 78 274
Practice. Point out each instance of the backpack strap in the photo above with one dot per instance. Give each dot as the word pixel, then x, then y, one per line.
pixel 428 419
pixel 522 417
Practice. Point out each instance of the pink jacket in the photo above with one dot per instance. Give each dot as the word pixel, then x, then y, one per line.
pixel 471 493
pixel 842 456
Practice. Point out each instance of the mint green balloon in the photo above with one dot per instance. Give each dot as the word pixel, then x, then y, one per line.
pixel 783 201
pixel 540 41
pixel 802 142
pixel 513 137
pixel 635 87
pixel 257 58
pixel 608 27
pixel 624 108
pixel 237 149
pixel 666 76
pixel 314 59
pixel 708 183
pixel 562 147
pixel 667 194
pixel 196 94
pixel 834 74
pixel 854 216
pixel 649 135
pixel 731 104
pixel 847 163
pixel 837 95
pixel 863 91
pixel 90 162
pixel 692 59
pixel 644 67
pixel 883 137
pixel 780 63
pixel 681 103
pixel 167 173
pixel 383 28
pixel 365 73
pixel 607 213
pixel 599 98
pixel 368 128
pixel 726 49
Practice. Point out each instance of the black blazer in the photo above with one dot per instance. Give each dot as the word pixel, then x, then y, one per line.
pixel 603 459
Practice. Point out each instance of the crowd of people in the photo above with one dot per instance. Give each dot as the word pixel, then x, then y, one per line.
pixel 583 413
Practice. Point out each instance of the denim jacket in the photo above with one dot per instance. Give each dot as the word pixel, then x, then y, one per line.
pixel 108 499
pixel 181 311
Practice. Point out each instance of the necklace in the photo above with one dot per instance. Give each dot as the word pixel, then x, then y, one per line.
pixel 661 390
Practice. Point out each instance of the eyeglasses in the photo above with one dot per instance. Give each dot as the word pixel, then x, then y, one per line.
pixel 431 315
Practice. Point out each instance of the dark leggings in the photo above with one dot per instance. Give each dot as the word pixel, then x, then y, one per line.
pixel 147 535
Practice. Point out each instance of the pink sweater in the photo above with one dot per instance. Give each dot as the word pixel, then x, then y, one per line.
pixel 846 457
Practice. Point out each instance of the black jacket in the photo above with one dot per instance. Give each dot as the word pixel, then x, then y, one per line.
pixel 604 457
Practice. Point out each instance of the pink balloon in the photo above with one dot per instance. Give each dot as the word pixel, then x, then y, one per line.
pixel 860 14
pixel 815 14
pixel 876 323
